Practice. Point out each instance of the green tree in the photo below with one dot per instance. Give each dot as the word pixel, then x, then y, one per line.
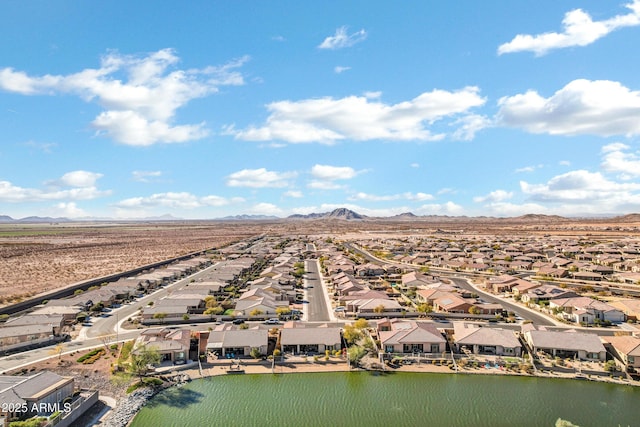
pixel 143 357
pixel 283 311
pixel 361 324
pixel 185 316
pixel 255 353
pixel 355 354
pixel 161 316
pixel 256 312
pixel 474 310
pixel 214 311
pixel 210 301
pixel 351 334
pixel 424 308
pixel 379 309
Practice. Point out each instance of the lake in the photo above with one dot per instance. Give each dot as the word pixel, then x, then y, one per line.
pixel 394 399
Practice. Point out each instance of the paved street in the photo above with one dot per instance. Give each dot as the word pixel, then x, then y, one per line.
pixel 317 310
pixel 538 319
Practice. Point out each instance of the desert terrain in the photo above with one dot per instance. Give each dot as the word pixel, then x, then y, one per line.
pixel 36 258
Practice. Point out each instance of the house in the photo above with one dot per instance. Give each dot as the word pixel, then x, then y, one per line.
pixel 374 306
pixel 587 275
pixel 15 337
pixel 484 340
pixel 172 345
pixel 259 300
pixel 296 338
pixel 568 344
pixel 68 313
pixel 630 307
pixel 586 310
pixel 229 342
pixel 399 336
pixel 55 321
pixel 452 303
pixel 523 286
pixel 546 293
pixel 626 350
pixel 39 394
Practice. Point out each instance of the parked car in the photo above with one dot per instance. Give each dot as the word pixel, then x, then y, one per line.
pixel 339 309
pixel 272 321
pixel 238 321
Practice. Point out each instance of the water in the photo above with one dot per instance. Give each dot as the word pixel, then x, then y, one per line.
pixel 398 399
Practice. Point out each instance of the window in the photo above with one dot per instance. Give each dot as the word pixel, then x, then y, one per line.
pixel 388 349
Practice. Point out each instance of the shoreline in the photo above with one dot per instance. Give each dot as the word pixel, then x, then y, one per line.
pixel 133 404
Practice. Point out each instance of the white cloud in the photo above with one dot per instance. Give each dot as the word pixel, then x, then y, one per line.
pixel 265 209
pixel 338 69
pixel 582 186
pixel 448 208
pixel 325 176
pixel 77 179
pixel 531 168
pixel 361 118
pixel 45 147
pixel 447 191
pixel 564 163
pixel 68 210
pixel 324 185
pixel 420 197
pixel 598 107
pixel 343 39
pixel 326 172
pixel 145 176
pixel 14 194
pixel 260 178
pixel 296 194
pixel 140 95
pixel 415 165
pixel 469 125
pixel 579 29
pixel 494 196
pixel 617 160
pixel 175 200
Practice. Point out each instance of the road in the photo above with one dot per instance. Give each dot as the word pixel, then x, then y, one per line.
pixel 317 310
pixel 536 318
pixel 107 326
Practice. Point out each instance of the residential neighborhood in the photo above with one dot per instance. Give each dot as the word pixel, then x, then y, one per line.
pixel 517 305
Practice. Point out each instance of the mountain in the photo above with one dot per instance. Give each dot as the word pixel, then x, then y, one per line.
pixel 537 218
pixel 634 217
pixel 404 215
pixel 248 217
pixel 340 214
pixel 41 219
pixel 6 218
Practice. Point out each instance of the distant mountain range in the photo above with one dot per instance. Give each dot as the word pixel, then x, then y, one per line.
pixel 5 219
pixel 340 213
pixel 337 214
pixel 248 217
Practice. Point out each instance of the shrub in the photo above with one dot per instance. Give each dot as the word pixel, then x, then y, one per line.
pixel 92 356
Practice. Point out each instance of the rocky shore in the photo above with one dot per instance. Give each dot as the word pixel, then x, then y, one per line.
pixel 128 407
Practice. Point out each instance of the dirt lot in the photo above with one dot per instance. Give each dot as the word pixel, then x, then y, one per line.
pixel 39 258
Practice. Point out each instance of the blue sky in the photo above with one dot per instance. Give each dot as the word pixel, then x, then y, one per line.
pixel 207 108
